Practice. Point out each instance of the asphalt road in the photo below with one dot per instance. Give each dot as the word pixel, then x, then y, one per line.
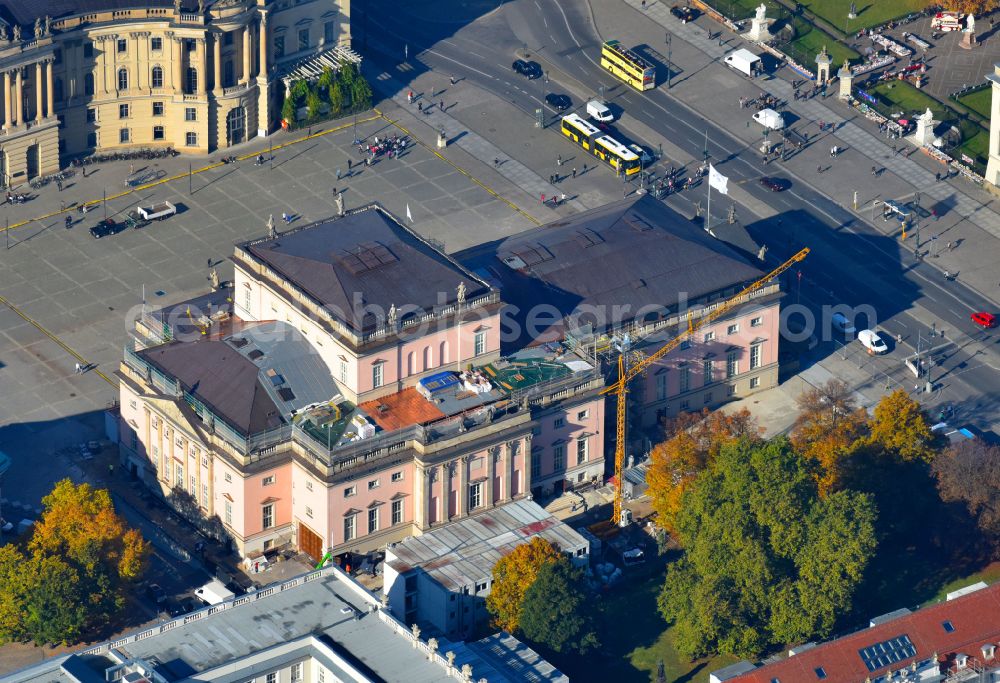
pixel 851 263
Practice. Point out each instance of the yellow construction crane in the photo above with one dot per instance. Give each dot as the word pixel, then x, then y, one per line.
pixel 625 375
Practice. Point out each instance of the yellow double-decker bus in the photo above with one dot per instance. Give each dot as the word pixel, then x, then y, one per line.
pixel 628 66
pixel 603 146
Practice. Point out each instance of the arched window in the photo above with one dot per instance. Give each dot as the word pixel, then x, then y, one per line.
pixel 427 358
pixel 444 353
pixel 88 84
pixel 157 78
pixel 411 361
pixel 123 78
pixel 192 80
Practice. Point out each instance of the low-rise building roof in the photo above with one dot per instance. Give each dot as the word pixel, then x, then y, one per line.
pixel 463 553
pixel 611 264
pixel 25 12
pixel 361 265
pixel 937 633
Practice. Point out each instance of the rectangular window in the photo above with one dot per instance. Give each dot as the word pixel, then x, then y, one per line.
pixel 559 423
pixel 158 133
pixel 377 375
pixel 757 322
pixel 709 336
pixel 373 520
pixel 156 44
pixel 309 486
pixel 279 47
pixel 685 378
pixel 661 386
pixel 732 364
pixel 303 39
pixel 190 114
pixel 536 465
pixel 755 356
pixel 309 512
pixel 754 382
pixel 157 108
pixel 397 476
pixel 706 370
pixel 684 405
pixel 558 457
pixel 321 675
pixel 179 475
pixel 228 476
pixel 122 45
pixel 328 32
pixel 397 512
pixel 246 298
pixel 373 484
pixel 88 49
pixel 267 481
pixel 732 329
pixel 204 495
pixel 272 677
pixel 350 491
pixel 91 115
pixel 581 451
pixel 192 485
pixel 191 139
pixel 708 398
pixel 476 496
pixel 343 370
pixel 349 528
pixel 124 135
pixel 229 513
pixel 480 347
pixel 267 516
pixel 296 672
pixel 583 415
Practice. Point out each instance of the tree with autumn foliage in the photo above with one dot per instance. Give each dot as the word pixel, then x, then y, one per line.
pixel 826 431
pixel 969 473
pixel 72 577
pixel 513 575
pixel 899 427
pixel 975 7
pixel 695 442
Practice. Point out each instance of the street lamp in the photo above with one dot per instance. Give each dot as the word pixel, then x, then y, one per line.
pixel 669 65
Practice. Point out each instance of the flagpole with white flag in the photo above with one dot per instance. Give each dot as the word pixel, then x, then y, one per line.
pixel 720 183
pixel 409 216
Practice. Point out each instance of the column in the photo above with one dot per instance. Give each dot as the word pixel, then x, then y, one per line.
pixel 246 54
pixel 510 469
pixel 444 506
pixel 262 39
pixel 202 54
pixel 50 88
pixel 491 455
pixel 19 92
pixel 38 92
pixel 463 486
pixel 217 58
pixel 177 58
pixel 101 78
pixel 7 121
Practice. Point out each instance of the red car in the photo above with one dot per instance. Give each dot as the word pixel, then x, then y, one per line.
pixel 984 320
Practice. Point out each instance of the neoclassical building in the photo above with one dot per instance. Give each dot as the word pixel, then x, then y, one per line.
pixel 196 75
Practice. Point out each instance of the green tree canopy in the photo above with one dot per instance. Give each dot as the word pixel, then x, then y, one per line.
pixel 767 560
pixel 555 611
pixel 513 574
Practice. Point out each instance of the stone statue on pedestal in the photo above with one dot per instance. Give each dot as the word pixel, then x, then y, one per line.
pixel 3 32
pixel 17 33
pixel 759 25
pixel 38 28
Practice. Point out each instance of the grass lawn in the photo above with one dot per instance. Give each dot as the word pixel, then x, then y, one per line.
pixel 870 12
pixel 809 42
pixel 634 638
pixel 977 147
pixel 979 101
pixel 990 575
pixel 911 101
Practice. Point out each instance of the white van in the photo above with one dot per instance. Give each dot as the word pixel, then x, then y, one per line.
pixel 599 112
pixel 214 592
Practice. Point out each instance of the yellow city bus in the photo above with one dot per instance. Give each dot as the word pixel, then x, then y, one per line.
pixel 628 66
pixel 603 146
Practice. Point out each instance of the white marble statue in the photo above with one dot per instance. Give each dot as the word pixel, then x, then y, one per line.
pixel 761 12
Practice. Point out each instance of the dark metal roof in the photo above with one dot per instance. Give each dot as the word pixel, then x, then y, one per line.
pixel 635 253
pixel 25 12
pixel 222 378
pixel 366 259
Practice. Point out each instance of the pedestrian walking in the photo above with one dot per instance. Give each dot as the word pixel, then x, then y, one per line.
pixel 338 174
pixel 559 160
pixel 874 172
pixel 951 246
pixel 453 81
pixel 496 162
pixel 562 198
pixel 285 217
pixel 644 4
pixel 584 169
pixel 131 169
pixel 819 169
pixel 937 177
pixel 420 106
pixel 59 185
pixel 441 105
pixel 349 165
pixel 574 172
pixel 78 368
pixel 62 206
pixel 934 214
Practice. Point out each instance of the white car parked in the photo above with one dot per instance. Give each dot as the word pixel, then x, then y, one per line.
pixel 872 342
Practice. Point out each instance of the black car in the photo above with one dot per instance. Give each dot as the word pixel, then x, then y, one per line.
pixel 685 14
pixel 558 102
pixel 155 593
pixel 529 70
pixel 775 184
pixel 106 227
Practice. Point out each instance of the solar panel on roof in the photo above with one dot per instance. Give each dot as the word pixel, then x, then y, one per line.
pixel 887 652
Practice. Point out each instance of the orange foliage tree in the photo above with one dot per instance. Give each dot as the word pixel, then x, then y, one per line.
pixel 695 442
pixel 828 426
pixel 976 7
pixel 513 575
pixel 898 426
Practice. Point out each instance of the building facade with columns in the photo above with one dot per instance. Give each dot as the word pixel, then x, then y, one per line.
pixel 196 76
pixel 348 392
